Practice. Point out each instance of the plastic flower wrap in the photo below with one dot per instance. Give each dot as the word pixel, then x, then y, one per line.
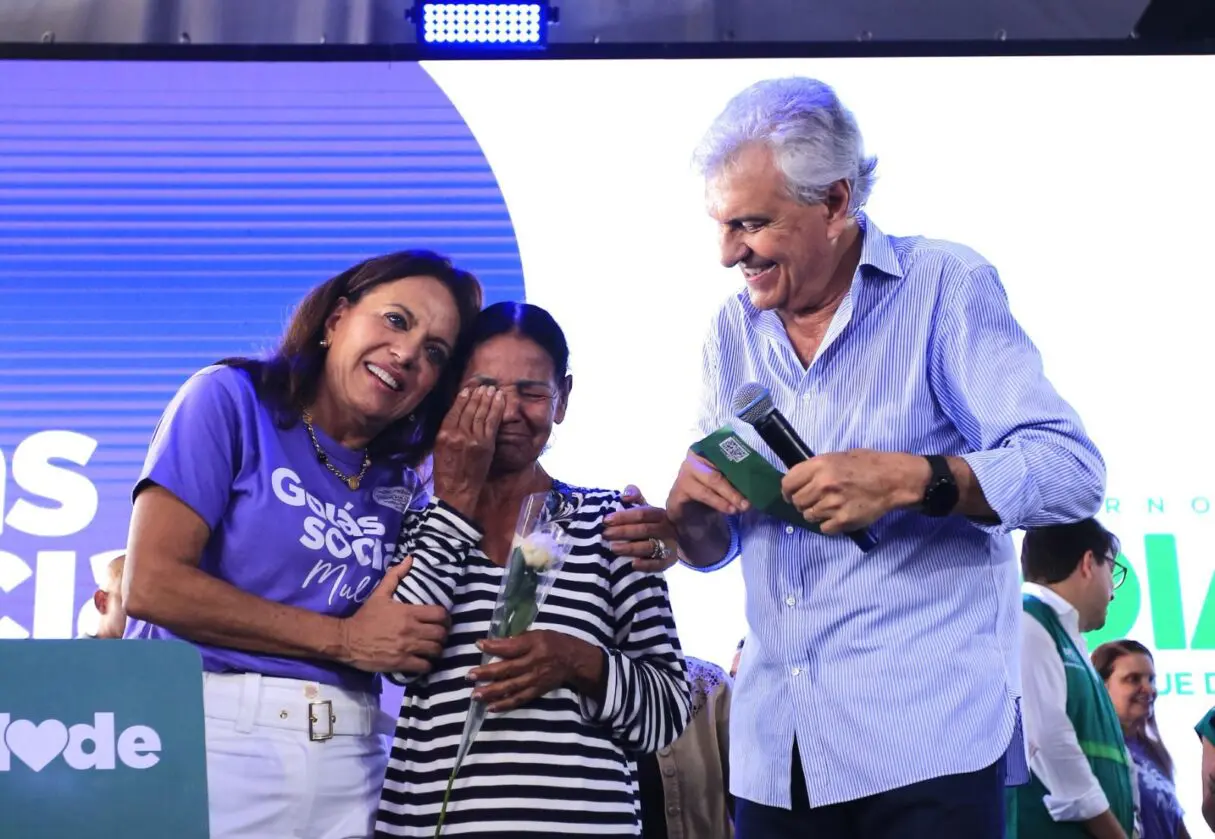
pixel 538 550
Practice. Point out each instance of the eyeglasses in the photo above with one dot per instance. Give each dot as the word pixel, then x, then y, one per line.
pixel 1117 572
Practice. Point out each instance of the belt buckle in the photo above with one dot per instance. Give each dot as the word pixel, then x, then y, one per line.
pixel 320 712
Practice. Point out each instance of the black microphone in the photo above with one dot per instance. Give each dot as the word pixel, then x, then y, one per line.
pixel 753 405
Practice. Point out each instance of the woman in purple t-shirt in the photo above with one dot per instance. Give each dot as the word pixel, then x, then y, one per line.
pixel 266 515
pixel 1129 674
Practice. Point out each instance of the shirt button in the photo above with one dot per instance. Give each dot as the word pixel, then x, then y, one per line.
pixel 796 671
pixel 664 751
pixel 790 600
pixel 789 529
pixel 669 771
pixel 673 810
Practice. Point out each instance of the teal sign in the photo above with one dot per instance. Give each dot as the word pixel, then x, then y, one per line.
pixel 102 739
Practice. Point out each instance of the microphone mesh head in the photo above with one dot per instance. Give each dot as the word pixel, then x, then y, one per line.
pixel 752 402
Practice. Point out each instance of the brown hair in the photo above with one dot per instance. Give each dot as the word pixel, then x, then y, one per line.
pixel 1052 554
pixel 288 379
pixel 1104 658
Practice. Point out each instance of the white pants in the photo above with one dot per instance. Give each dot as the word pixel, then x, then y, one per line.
pixel 272 773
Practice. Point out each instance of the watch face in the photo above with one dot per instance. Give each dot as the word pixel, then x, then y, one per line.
pixel 941 494
pixel 941 497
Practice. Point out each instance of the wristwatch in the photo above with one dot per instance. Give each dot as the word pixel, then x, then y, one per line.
pixel 941 495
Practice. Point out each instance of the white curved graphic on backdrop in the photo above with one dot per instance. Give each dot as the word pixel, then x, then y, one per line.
pixel 1085 181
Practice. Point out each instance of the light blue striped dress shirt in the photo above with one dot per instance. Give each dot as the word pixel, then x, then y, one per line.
pixel 902 664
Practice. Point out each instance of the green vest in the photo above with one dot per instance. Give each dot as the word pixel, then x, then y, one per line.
pixel 1100 735
pixel 1206 727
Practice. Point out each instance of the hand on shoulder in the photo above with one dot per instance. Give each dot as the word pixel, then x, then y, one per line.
pixel 642 531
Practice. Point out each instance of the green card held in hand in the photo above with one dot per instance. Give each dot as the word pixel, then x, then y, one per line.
pixel 751 474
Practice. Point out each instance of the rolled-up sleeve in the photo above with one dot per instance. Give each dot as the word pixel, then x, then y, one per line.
pixel 1030 453
pixel 646 702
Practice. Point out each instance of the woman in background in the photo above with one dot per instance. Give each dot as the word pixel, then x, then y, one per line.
pixel 266 515
pixel 685 787
pixel 1129 673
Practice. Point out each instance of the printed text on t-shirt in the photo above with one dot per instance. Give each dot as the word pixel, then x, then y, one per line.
pixel 354 543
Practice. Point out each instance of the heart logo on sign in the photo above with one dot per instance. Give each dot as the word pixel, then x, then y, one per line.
pixel 36 745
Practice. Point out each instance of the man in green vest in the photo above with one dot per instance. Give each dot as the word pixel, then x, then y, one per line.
pixel 1082 780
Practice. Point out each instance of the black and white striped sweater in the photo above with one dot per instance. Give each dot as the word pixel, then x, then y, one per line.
pixel 561 766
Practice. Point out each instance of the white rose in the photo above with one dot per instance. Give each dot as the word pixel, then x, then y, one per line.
pixel 540 551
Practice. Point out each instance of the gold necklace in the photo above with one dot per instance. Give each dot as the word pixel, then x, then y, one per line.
pixel 351 481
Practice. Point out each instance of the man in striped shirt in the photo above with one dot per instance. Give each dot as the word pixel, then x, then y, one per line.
pixel 879 693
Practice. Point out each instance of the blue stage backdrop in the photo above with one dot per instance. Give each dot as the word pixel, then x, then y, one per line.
pixel 160 217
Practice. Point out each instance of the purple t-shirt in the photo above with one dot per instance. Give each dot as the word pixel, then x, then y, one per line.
pixel 1159 809
pixel 283 526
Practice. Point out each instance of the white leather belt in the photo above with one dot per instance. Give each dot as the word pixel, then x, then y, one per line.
pixel 323 711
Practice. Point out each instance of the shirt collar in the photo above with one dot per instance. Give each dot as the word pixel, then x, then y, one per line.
pixel 1068 616
pixel 876 249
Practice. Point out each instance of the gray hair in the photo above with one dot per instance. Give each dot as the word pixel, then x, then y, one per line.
pixel 814 138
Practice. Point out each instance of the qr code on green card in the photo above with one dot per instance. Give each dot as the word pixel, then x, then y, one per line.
pixel 734 450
